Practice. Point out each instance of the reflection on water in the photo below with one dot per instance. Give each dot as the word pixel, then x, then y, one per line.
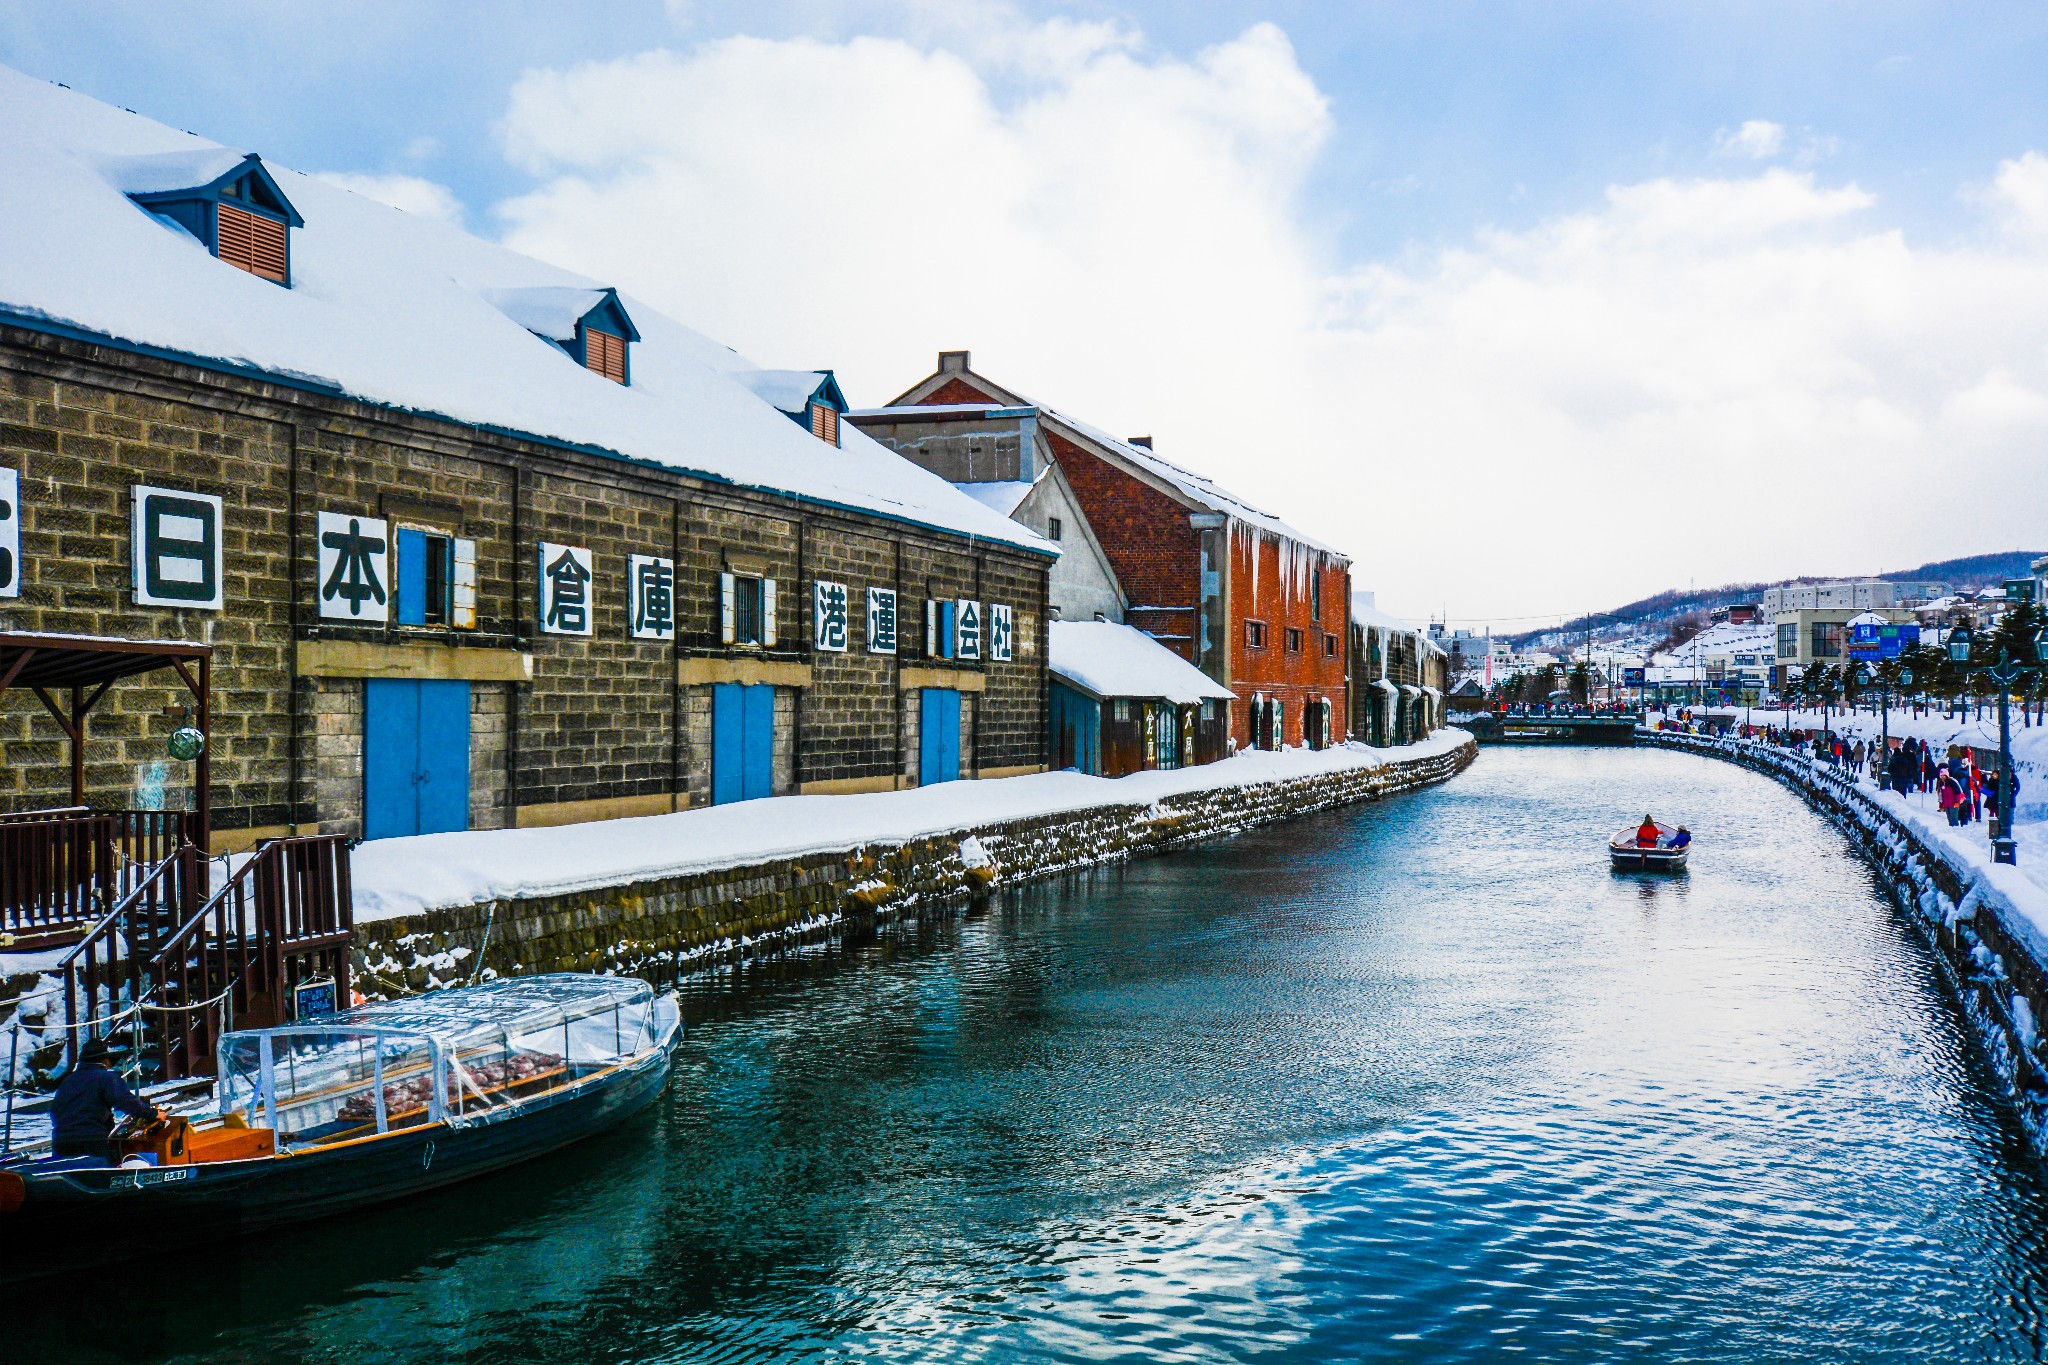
pixel 1421 1080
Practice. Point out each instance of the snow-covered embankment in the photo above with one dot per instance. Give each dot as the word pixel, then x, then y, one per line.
pixel 1987 922
pixel 656 894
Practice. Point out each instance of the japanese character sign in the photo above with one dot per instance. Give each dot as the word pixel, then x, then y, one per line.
pixel 10 533
pixel 828 615
pixel 968 627
pixel 881 620
pixel 176 541
pixel 1002 632
pixel 355 568
pixel 651 588
pixel 564 596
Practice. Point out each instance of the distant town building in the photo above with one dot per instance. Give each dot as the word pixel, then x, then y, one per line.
pixel 1857 594
pixel 1398 676
pixel 1809 636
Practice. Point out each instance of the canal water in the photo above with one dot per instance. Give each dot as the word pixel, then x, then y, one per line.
pixel 1421 1080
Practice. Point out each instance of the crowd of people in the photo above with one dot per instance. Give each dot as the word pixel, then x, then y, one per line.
pixel 1963 788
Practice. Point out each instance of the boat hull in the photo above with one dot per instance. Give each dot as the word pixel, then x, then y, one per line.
pixel 70 1214
pixel 1647 859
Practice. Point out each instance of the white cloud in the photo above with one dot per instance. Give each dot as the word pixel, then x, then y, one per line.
pixel 1729 377
pixel 1759 139
pixel 414 194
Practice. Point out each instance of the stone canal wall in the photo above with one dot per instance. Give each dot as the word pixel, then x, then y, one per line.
pixel 1993 955
pixel 664 927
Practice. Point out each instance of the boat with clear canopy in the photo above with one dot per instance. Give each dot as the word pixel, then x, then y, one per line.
pixel 369 1104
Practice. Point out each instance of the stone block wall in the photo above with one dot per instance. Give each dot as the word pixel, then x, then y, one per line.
pixel 662 927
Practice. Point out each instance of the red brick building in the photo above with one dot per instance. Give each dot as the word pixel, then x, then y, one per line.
pixel 1249 600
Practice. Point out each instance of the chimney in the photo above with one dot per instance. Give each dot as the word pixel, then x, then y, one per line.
pixel 953 362
pixel 1145 441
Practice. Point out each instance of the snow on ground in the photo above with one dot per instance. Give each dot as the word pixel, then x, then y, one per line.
pixel 395 877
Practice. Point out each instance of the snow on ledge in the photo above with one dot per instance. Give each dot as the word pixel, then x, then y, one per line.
pixel 395 877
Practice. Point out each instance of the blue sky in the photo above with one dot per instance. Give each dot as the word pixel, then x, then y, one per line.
pixel 1428 167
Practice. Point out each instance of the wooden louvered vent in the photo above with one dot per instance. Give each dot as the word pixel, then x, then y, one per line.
pixel 606 354
pixel 253 242
pixel 825 423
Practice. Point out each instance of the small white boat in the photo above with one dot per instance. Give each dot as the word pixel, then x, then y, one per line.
pixel 1625 852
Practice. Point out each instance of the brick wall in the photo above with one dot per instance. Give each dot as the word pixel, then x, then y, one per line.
pixel 602 719
pixel 1151 544
pixel 1270 583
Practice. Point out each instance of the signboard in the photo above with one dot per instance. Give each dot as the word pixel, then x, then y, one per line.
pixel 967 637
pixel 881 620
pixel 1002 632
pixel 355 572
pixel 1632 677
pixel 651 588
pixel 10 533
pixel 311 999
pixel 564 596
pixel 829 612
pixel 1871 641
pixel 176 539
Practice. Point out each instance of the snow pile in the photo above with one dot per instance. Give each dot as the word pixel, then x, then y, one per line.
pixel 399 311
pixel 394 877
pixel 1110 660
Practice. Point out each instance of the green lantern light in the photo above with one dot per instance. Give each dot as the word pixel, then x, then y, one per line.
pixel 186 743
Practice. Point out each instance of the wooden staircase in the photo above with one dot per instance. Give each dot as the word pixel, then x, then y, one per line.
pixel 162 960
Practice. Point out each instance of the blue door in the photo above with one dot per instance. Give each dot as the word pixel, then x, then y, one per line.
pixel 415 757
pixel 742 742
pixel 938 749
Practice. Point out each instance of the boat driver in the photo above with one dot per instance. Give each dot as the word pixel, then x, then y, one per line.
pixel 82 1112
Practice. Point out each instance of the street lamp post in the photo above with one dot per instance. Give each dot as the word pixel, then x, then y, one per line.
pixel 2005 673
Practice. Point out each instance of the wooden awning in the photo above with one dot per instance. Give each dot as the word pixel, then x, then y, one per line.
pixel 84 667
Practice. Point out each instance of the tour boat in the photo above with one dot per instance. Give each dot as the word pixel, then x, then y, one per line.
pixel 1624 853
pixel 354 1108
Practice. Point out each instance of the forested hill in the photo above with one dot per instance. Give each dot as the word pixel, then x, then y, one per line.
pixel 1661 609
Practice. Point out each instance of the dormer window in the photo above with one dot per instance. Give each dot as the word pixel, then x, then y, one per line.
pixel 224 199
pixel 589 325
pixel 605 353
pixel 825 422
pixel 809 398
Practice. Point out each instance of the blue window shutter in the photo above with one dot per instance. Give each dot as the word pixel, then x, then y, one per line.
pixel 412 578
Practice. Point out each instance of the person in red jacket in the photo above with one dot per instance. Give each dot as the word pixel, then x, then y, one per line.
pixel 1646 833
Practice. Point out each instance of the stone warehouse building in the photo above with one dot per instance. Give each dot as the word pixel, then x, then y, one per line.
pixel 475 542
pixel 1253 603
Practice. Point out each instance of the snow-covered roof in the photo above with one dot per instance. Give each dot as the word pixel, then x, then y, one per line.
pixel 187 168
pixel 1110 660
pixel 1365 613
pixel 1195 487
pixel 395 310
pixel 551 311
pixel 784 390
pixel 1002 496
pixel 1868 618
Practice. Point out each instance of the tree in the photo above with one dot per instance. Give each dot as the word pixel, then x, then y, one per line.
pixel 1581 683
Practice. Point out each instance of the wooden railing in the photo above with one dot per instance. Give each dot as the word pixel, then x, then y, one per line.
pixel 175 967
pixel 107 971
pixel 63 870
pixel 283 918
